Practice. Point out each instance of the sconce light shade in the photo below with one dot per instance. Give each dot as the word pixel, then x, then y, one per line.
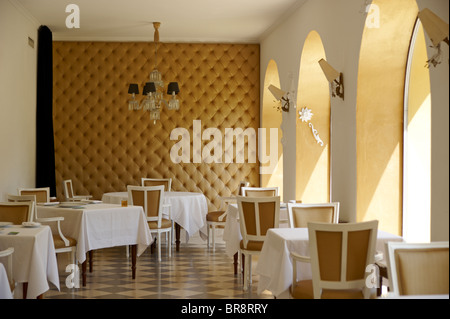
pixel 173 88
pixel 330 73
pixel 277 93
pixel 149 88
pixel 133 88
pixel 282 96
pixel 435 27
pixel 334 77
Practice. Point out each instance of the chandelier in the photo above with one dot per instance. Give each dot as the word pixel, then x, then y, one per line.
pixel 154 90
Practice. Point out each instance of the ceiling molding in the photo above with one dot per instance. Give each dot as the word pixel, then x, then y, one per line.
pixel 25 13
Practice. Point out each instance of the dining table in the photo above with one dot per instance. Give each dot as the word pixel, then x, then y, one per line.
pixel 274 265
pixel 188 210
pixel 96 225
pixel 34 259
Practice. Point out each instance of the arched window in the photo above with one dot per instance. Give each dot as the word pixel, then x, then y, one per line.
pixel 417 143
pixel 312 155
pixel 272 118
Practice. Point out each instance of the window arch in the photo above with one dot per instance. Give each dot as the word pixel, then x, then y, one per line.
pixel 312 158
pixel 272 118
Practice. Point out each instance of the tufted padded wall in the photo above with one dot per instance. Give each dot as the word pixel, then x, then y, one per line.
pixel 103 147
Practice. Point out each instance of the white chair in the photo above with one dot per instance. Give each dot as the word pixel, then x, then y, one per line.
pixel 259 191
pixel 151 198
pixel 339 256
pixel 418 268
pixel 256 216
pixel 167 182
pixel 63 244
pixel 299 215
pixel 217 219
pixel 70 195
pixel 17 213
pixel 8 253
pixel 42 193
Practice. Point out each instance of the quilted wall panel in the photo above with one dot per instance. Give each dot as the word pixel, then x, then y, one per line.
pixel 103 147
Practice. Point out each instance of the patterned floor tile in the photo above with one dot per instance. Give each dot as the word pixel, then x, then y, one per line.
pixel 195 272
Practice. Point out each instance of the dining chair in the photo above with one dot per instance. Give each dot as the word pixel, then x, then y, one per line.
pixel 42 193
pixel 167 182
pixel 299 215
pixel 16 213
pixel 339 256
pixel 62 243
pixel 218 219
pixel 8 254
pixel 256 216
pixel 70 195
pixel 259 191
pixel 418 268
pixel 151 198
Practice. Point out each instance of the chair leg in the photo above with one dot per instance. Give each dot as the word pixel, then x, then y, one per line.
pixel 249 269
pixel 170 243
pixel 214 237
pixel 159 246
pixel 208 233
pixel 245 287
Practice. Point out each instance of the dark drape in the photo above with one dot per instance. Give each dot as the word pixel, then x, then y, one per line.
pixel 45 149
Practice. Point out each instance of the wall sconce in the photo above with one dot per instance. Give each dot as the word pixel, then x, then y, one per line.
pixel 335 78
pixel 437 30
pixel 281 96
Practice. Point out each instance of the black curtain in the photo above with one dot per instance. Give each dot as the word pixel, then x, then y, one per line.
pixel 45 148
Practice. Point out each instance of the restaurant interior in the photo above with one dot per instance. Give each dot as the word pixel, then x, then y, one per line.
pixel 171 147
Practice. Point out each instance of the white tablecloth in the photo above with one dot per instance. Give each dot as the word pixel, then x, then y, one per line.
pixel 188 209
pixel 274 264
pixel 232 231
pixel 34 258
pixel 97 226
pixel 5 290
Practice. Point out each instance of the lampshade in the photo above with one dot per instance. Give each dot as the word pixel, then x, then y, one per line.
pixel 330 73
pixel 149 88
pixel 435 27
pixel 277 93
pixel 173 87
pixel 133 88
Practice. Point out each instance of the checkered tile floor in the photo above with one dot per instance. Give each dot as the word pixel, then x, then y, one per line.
pixel 195 272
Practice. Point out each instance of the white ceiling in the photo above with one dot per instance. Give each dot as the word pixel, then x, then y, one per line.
pixel 181 20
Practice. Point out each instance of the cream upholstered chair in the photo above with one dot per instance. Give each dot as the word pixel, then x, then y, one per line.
pixel 62 243
pixel 8 255
pixel 259 191
pixel 218 219
pixel 16 213
pixel 300 215
pixel 256 216
pixel 418 268
pixel 167 182
pixel 42 193
pixel 151 198
pixel 339 256
pixel 70 195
